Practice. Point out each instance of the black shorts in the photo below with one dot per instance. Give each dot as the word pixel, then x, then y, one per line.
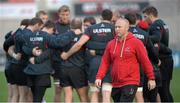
pixel 166 67
pixel 39 80
pixel 124 94
pixel 94 64
pixel 74 77
pixel 18 75
pixel 56 68
pixel 150 95
pixel 8 73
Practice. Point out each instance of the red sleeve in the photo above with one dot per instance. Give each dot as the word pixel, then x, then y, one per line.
pixel 144 60
pixel 105 63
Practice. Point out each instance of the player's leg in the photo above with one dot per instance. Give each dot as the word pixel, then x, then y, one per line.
pixel 139 95
pixel 94 93
pixel 106 87
pixel 68 94
pixel 29 95
pixel 166 68
pixel 9 80
pixel 57 87
pixel 83 94
pixel 57 91
pixel 38 93
pixel 22 84
pixel 23 93
pixel 66 84
pixel 15 93
pixel 9 92
pixel 106 92
pixel 78 77
pixel 158 99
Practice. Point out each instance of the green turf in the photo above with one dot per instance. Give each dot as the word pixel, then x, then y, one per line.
pixel 50 92
pixel 175 85
pixel 3 88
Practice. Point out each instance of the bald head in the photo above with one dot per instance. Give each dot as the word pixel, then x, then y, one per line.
pixel 76 23
pixel 121 27
pixel 123 22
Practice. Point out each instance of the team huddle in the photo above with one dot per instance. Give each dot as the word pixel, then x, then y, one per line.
pixel 125 57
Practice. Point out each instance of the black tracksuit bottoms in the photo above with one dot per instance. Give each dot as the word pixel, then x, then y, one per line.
pixel 166 68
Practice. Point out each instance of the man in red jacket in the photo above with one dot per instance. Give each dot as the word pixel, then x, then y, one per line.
pixel 125 53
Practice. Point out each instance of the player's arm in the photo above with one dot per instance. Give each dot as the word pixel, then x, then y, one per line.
pixel 155 35
pixel 76 47
pixel 153 54
pixel 59 41
pixel 43 57
pixel 27 50
pixel 8 42
pixel 12 53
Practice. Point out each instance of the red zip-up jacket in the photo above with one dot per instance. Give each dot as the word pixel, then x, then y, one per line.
pixel 125 57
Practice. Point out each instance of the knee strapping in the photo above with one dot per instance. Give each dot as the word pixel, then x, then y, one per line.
pixel 106 87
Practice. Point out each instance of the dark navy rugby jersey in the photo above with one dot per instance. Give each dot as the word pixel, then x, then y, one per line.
pixel 143 36
pixel 37 39
pixel 62 28
pixel 159 33
pixel 77 59
pixel 43 41
pixel 139 33
pixel 20 39
pixel 100 34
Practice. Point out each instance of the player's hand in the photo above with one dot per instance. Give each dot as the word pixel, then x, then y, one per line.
pixel 92 52
pixel 31 60
pixel 64 56
pixel 17 56
pixel 151 84
pixel 98 83
pixel 77 31
pixel 36 51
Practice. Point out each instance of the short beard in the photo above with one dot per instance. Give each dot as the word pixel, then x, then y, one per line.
pixel 119 35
